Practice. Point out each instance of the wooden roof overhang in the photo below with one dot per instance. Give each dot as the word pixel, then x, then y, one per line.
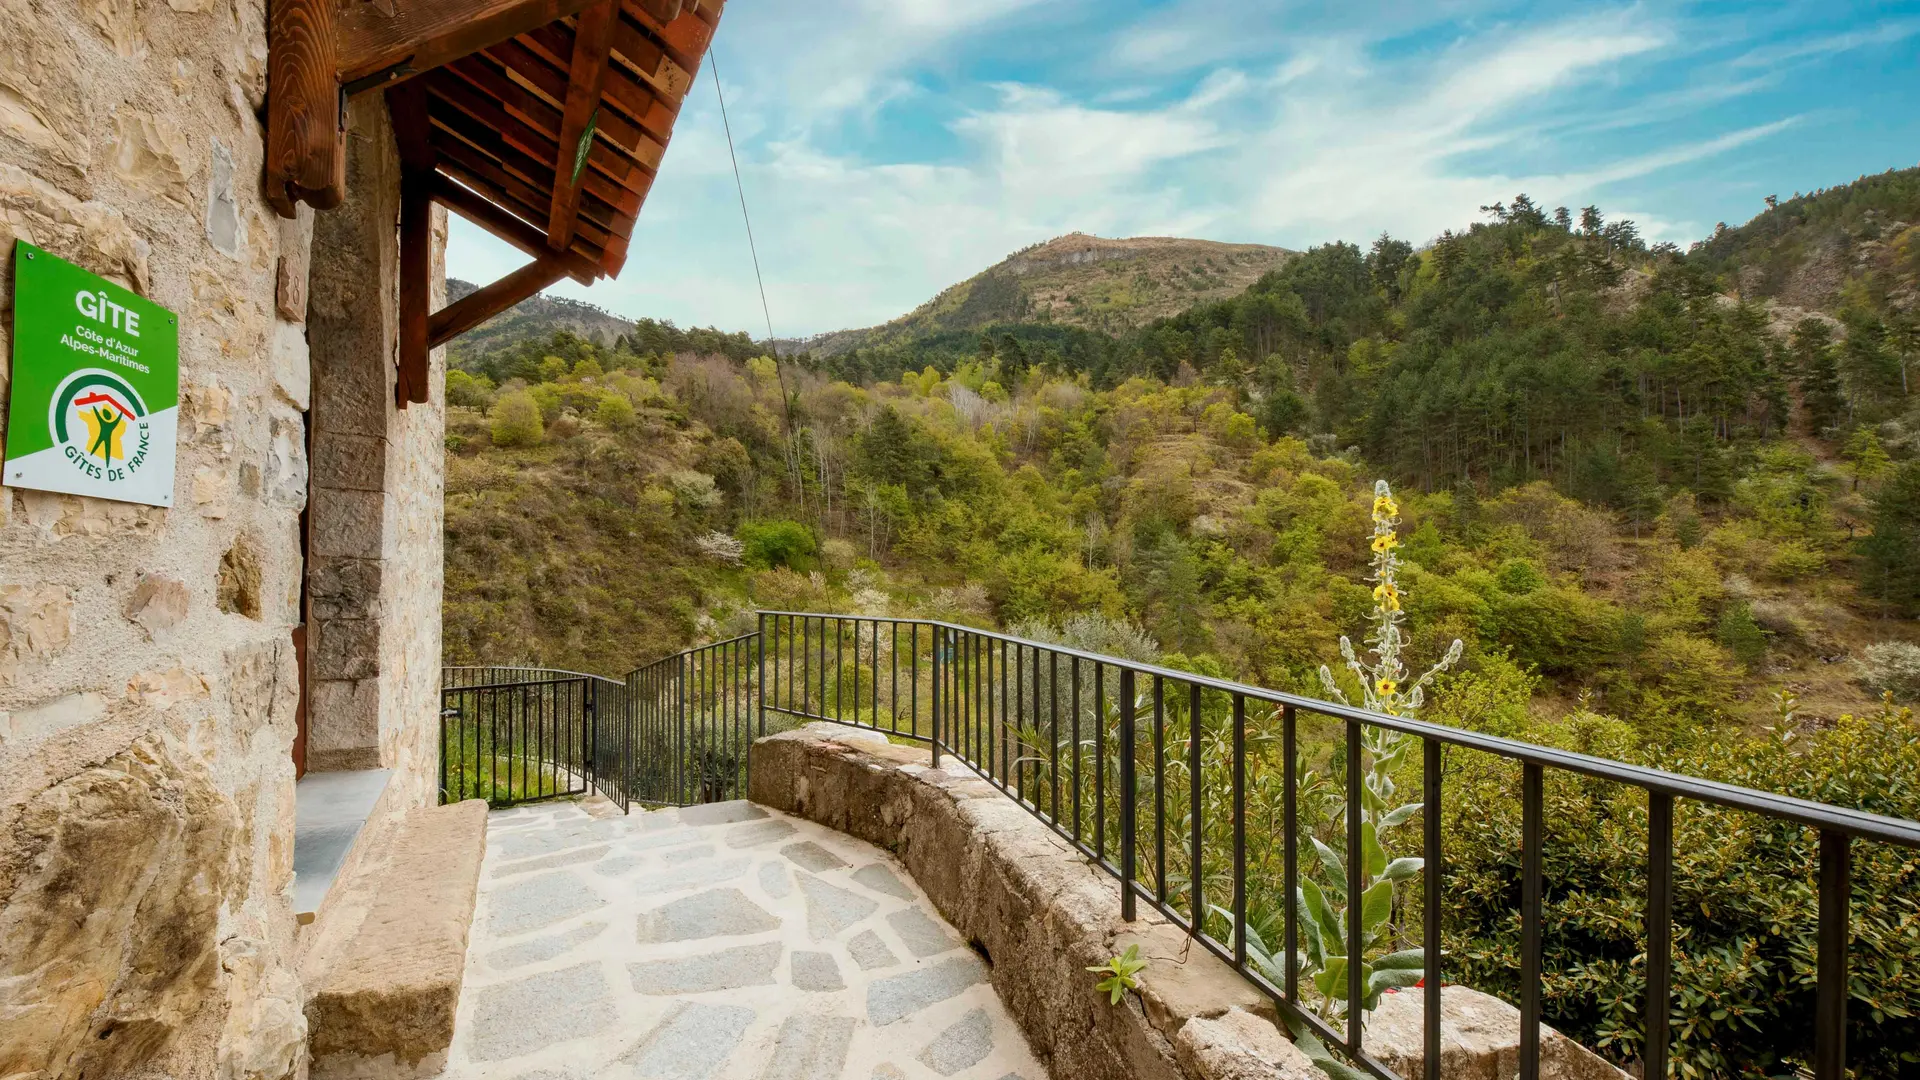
pixel 541 121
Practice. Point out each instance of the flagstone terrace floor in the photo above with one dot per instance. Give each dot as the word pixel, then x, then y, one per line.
pixel 715 941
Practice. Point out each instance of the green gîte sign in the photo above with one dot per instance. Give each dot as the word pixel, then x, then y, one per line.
pixel 96 385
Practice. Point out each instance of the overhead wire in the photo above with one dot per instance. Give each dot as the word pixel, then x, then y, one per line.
pixel 786 402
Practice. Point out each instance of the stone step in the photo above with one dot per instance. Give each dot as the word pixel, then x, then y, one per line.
pixel 384 965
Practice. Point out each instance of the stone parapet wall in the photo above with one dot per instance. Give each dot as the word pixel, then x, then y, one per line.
pixel 1039 912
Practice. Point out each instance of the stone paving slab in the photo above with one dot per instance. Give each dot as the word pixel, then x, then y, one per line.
pixel 712 943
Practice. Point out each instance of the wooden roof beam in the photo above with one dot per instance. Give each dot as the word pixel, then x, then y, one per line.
pixel 306 120
pixel 592 45
pixel 411 36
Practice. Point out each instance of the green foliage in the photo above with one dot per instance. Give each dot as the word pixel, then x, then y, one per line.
pixel 471 391
pixel 516 420
pixel 1120 974
pixel 1892 552
pixel 1741 635
pixel 786 545
pixel 1744 907
pixel 614 411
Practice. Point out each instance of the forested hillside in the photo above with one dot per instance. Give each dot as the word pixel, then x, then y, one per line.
pixel 1669 501
pixel 1626 476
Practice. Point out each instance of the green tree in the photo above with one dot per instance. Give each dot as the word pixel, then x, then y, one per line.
pixel 1892 552
pixel 1865 455
pixel 770 544
pixel 1819 374
pixel 614 411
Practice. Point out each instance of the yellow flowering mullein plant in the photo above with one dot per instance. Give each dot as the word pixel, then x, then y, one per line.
pixel 1385 688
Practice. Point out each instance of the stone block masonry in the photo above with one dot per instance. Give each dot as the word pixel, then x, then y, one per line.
pixel 148 678
pixel 384 971
pixel 146 784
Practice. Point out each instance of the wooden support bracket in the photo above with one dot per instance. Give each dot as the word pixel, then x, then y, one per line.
pixel 412 130
pixel 477 307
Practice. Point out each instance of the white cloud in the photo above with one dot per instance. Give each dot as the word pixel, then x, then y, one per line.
pixel 1813 48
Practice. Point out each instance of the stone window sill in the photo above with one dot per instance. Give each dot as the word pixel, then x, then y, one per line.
pixel 329 809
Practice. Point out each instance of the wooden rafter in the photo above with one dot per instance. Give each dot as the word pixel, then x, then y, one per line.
pixel 543 122
pixel 592 45
pixel 421 35
pixel 475 208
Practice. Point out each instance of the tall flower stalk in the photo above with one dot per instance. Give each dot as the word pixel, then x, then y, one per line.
pixel 1383 681
pixel 1385 688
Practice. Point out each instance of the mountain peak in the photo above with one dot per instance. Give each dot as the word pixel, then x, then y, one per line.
pixel 1082 280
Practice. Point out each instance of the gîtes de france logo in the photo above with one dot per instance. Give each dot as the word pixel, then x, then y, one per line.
pixel 100 425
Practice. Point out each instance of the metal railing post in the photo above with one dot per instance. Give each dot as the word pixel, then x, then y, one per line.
pixel 1127 807
pixel 759 687
pixel 938 636
pixel 589 730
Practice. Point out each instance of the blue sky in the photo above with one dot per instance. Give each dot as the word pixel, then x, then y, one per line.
pixel 892 147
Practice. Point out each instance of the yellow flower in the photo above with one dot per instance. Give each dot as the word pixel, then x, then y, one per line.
pixel 1384 507
pixel 1386 541
pixel 1386 687
pixel 1387 596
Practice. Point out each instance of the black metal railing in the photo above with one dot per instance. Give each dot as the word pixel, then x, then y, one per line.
pixel 534 734
pixel 693 718
pixel 1194 792
pixel 1148 772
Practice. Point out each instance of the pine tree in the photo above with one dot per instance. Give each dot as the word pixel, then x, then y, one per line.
pixel 1819 374
pixel 1865 454
pixel 1640 494
pixel 1892 553
pixel 1466 511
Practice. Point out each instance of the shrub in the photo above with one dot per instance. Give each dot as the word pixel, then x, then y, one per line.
pixel 1891 667
pixel 1093 632
pixel 614 411
pixel 694 490
pixel 1792 560
pixel 516 421
pixel 1519 577
pixel 720 547
pixel 1744 909
pixel 785 544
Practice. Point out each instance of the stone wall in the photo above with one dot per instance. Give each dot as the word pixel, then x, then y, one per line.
pixel 374 529
pixel 147 676
pixel 148 682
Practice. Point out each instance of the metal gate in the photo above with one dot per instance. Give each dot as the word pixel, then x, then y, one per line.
pixel 540 734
